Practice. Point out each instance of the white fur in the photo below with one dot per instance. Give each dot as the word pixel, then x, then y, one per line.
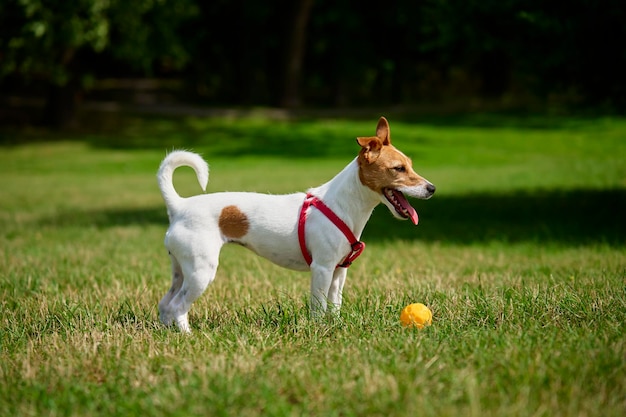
pixel 194 238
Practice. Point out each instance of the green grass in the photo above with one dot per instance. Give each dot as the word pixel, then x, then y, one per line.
pixel 520 255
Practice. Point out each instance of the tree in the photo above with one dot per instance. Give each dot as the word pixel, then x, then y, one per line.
pixel 59 42
pixel 551 48
pixel 295 54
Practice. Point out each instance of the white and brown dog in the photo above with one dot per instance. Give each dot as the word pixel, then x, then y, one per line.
pixel 317 231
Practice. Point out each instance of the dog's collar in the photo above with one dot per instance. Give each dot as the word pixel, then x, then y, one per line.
pixel 356 245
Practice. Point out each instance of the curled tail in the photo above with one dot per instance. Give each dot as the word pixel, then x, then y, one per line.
pixel 172 161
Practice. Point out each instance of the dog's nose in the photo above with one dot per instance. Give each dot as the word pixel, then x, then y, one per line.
pixel 431 188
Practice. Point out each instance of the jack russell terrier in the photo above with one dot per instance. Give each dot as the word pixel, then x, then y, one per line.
pixel 316 231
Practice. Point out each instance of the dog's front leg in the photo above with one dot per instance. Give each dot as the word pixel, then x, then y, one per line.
pixel 336 289
pixel 321 278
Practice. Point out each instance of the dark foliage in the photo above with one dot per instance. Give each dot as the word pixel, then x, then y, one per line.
pixel 240 53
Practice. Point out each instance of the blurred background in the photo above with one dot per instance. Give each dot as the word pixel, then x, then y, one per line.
pixel 59 58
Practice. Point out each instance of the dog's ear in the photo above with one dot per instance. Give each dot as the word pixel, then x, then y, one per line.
pixel 371 147
pixel 383 131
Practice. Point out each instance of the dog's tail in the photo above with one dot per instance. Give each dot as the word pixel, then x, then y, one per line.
pixel 172 161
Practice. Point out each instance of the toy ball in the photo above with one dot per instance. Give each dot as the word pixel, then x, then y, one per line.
pixel 416 315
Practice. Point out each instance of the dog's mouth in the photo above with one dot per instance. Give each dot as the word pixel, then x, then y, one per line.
pixel 400 204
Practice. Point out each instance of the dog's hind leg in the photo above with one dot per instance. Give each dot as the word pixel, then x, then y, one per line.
pixel 165 313
pixel 199 272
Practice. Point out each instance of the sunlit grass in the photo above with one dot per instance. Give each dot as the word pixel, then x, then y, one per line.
pixel 518 255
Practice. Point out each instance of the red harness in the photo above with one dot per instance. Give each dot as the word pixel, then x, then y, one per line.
pixel 357 247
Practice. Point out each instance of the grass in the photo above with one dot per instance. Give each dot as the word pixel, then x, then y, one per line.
pixel 520 256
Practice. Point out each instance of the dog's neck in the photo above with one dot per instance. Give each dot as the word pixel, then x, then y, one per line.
pixel 348 197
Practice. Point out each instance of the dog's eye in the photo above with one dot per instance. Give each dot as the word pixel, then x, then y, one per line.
pixel 400 168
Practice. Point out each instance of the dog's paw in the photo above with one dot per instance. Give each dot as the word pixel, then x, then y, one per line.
pixel 166 318
pixel 183 324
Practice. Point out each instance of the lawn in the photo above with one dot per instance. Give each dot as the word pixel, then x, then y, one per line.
pixel 520 255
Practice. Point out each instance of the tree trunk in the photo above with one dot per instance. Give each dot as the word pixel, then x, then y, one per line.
pixel 295 54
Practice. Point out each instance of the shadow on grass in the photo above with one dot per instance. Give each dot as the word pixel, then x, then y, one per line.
pixel 211 136
pixel 572 217
pixel 297 135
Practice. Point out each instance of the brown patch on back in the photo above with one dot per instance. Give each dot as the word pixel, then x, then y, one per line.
pixel 233 222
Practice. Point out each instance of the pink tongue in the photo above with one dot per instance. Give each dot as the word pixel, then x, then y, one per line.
pixel 413 215
pixel 406 206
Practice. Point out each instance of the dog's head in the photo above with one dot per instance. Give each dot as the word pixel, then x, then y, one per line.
pixel 389 172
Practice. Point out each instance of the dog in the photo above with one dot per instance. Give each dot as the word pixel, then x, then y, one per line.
pixel 316 231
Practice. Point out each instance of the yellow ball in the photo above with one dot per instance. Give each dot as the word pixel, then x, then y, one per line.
pixel 416 315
